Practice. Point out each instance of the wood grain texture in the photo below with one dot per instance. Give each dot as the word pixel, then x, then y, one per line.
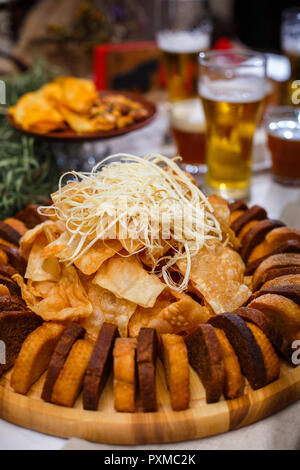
pixel 165 425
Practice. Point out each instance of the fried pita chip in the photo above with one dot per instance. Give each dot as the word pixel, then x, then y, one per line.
pixel 127 279
pixel 101 251
pixel 51 229
pixel 107 308
pixel 131 245
pixel 172 313
pixel 217 273
pixel 144 317
pixel 39 268
pixel 40 288
pixel 67 300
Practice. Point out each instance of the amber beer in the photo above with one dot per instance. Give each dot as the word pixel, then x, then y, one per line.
pixel 290 43
pixel 284 143
pixel 187 123
pixel 179 52
pixel 294 58
pixel 231 111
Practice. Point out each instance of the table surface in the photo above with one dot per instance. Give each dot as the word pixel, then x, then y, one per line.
pixel 281 202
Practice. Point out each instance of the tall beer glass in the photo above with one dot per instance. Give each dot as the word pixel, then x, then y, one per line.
pixel 290 43
pixel 231 87
pixel 183 29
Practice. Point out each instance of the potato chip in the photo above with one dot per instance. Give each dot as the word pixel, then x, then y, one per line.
pixel 78 94
pixel 52 92
pixel 127 279
pixel 79 123
pixel 217 273
pixel 107 307
pixel 35 113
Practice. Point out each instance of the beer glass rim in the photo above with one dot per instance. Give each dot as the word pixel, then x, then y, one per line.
pixel 204 58
pixel 275 113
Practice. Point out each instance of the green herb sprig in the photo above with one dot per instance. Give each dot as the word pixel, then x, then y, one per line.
pixel 28 172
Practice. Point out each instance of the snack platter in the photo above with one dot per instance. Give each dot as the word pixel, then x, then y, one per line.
pixel 126 340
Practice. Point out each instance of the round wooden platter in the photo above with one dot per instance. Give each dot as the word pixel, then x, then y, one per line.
pixel 69 135
pixel 109 426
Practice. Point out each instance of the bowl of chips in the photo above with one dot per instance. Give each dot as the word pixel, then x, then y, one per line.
pixel 70 108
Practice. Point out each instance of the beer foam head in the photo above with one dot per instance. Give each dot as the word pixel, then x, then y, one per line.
pixel 188 116
pixel 184 41
pixel 285 129
pixel 291 44
pixel 236 90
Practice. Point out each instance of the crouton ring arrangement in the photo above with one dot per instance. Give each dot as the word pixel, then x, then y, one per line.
pixel 232 345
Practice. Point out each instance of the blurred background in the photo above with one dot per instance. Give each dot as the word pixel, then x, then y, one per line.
pixel 66 31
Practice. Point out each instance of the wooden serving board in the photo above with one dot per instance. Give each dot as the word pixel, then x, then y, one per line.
pixel 109 426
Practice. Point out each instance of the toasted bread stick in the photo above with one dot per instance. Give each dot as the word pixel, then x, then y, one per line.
pixel 234 382
pixel 273 334
pixel 15 326
pixel 282 312
pixel 124 354
pixel 69 382
pixel 146 362
pixel 175 359
pixel 205 356
pixel 99 367
pixel 272 364
pixel 246 348
pixel 34 356
pixel 9 234
pixel 254 213
pixel 71 334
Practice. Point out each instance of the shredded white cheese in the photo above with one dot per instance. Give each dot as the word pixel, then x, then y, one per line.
pixel 149 201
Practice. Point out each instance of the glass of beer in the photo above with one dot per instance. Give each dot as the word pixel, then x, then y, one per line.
pixel 290 43
pixel 183 30
pixel 283 130
pixel 187 122
pixel 232 88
